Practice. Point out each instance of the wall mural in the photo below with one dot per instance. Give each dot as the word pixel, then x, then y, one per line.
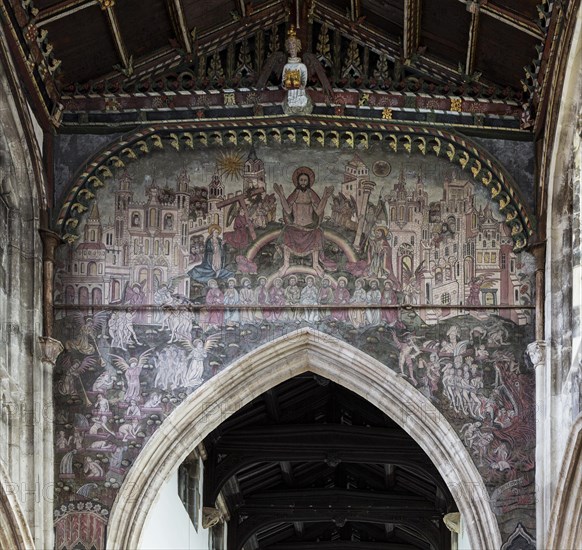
pixel 192 259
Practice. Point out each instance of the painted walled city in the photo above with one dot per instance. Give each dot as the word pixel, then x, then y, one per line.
pixel 188 261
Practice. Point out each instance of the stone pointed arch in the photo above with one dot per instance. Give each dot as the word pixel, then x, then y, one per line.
pixel 566 517
pixel 305 350
pixel 14 531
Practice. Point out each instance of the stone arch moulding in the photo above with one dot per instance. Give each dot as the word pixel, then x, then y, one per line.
pixel 314 132
pixel 14 531
pixel 566 517
pixel 305 350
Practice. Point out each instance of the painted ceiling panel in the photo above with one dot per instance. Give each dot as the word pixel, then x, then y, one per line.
pixel 452 17
pixel 89 51
pixel 527 8
pixel 385 14
pixel 207 15
pixel 500 50
pixel 143 30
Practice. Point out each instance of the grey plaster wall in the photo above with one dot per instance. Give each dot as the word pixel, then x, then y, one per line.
pixel 518 158
pixel 72 152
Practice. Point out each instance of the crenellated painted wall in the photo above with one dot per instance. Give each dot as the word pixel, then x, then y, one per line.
pixel 187 251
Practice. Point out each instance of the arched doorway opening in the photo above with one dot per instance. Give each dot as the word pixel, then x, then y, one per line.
pixel 14 531
pixel 305 350
pixel 311 464
pixel 566 518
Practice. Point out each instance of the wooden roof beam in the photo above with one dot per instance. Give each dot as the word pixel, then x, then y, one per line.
pixel 271 441
pixel 517 21
pixel 179 23
pixel 342 545
pixel 508 17
pixel 356 9
pixel 412 18
pixel 242 8
pixel 321 505
pixel 435 69
pixel 362 452
pixel 475 10
pixel 126 61
pixel 287 473
pixel 62 9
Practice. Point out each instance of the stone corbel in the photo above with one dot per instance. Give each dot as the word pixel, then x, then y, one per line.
pixel 50 349
pixel 201 450
pixel 210 517
pixel 223 508
pixel 453 522
pixel 537 353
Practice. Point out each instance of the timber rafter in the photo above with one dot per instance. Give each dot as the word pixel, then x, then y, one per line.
pixel 180 65
pixel 337 506
pixel 62 9
pixel 412 13
pixel 326 444
pixel 506 16
pixel 178 18
pixel 120 46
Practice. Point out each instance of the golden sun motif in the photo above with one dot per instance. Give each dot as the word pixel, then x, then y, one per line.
pixel 230 164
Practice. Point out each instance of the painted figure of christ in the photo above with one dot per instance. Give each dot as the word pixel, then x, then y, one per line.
pixel 302 212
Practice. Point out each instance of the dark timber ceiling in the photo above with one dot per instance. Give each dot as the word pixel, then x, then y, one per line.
pixel 311 465
pixel 104 55
pixel 496 38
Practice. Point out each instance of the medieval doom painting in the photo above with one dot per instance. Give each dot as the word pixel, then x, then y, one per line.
pixel 186 261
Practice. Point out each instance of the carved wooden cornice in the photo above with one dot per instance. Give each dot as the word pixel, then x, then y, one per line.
pixel 147 107
pixel 31 49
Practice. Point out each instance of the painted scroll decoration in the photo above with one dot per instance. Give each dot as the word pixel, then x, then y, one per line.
pixel 194 258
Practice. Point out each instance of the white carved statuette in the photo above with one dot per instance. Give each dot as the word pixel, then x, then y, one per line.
pixel 294 79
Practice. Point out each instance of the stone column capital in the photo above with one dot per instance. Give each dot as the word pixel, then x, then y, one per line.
pixel 537 352
pixel 51 349
pixel 453 522
pixel 210 517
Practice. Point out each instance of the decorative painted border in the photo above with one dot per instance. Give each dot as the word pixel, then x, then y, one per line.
pixel 313 132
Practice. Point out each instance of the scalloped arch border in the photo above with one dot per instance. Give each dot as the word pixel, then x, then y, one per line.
pixel 312 132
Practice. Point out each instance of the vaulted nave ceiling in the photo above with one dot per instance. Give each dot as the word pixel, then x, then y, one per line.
pixel 469 62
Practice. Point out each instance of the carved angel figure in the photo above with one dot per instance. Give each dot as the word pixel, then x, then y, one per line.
pixel 294 75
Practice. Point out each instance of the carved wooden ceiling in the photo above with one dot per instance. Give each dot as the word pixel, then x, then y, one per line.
pixel 311 465
pixel 122 63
